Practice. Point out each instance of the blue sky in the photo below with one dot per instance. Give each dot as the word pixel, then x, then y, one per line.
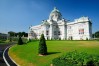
pixel 18 15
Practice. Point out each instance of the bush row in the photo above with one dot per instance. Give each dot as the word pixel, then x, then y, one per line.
pixel 76 59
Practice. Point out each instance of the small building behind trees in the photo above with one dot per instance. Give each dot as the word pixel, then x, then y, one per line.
pixel 3 36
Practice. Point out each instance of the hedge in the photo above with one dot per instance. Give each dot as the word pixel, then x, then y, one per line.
pixel 76 59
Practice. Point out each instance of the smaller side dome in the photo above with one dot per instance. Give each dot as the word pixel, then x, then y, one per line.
pixel 45 22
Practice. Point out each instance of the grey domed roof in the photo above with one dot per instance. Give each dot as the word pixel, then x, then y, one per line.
pixel 55 15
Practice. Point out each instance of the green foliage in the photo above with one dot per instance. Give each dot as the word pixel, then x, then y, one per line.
pixel 76 59
pixel 71 38
pixel 29 40
pixel 90 63
pixel 29 52
pixel 14 34
pixel 2 41
pixel 86 38
pixel 15 39
pixel 10 39
pixel 59 38
pixel 42 46
pixel 20 42
pixel 51 39
pixel 97 34
pixel 11 33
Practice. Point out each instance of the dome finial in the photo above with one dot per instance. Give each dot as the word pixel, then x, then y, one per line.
pixel 55 8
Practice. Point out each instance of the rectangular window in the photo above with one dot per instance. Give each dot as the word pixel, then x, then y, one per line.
pixel 55 33
pixel 56 26
pixel 81 31
pixel 47 32
pixel 58 32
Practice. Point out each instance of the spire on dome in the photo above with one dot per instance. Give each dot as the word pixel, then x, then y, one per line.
pixel 55 10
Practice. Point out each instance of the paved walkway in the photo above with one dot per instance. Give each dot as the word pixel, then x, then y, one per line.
pixel 2 48
pixel 2 63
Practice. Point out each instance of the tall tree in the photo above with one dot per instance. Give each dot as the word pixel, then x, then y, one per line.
pixel 97 34
pixel 20 42
pixel 11 33
pixel 20 34
pixel 42 46
pixel 23 34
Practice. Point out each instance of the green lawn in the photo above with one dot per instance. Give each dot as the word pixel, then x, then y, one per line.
pixel 27 55
pixel 2 41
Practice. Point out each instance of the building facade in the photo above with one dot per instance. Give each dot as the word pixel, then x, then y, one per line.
pixel 3 36
pixel 57 27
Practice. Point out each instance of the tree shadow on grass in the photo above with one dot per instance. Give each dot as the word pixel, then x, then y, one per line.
pixel 50 53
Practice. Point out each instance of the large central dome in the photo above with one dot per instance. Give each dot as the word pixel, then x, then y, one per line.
pixel 55 15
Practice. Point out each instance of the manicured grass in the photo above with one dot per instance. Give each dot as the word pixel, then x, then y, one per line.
pixel 5 41
pixel 2 41
pixel 27 55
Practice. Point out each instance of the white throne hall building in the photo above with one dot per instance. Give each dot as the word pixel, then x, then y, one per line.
pixel 56 27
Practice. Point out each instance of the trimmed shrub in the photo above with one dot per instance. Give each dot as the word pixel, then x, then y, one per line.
pixel 76 59
pixel 86 38
pixel 51 39
pixel 42 46
pixel 29 40
pixel 20 42
pixel 10 39
pixel 59 38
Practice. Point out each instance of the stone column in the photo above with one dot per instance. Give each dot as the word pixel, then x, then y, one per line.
pixel 63 34
pixel 89 30
pixel 51 31
pixel 64 31
pixel 45 31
